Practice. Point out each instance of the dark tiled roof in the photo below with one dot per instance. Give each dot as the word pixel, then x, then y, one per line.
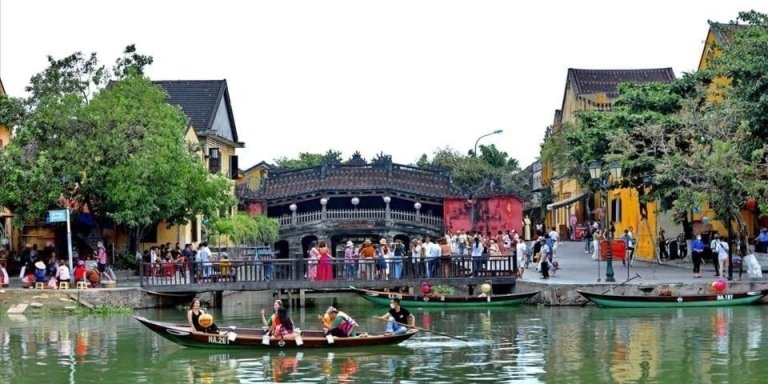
pixel 391 177
pixel 199 99
pixel 724 33
pixel 591 81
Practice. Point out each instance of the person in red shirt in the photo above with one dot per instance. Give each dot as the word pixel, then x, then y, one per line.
pixel 80 271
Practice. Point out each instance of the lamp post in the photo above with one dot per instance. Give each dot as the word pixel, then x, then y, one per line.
pixel 496 132
pixel 596 173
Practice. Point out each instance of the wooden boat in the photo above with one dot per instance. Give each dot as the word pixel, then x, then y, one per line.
pixel 252 338
pixel 647 301
pixel 383 298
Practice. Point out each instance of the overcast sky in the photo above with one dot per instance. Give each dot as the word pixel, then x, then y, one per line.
pixel 402 77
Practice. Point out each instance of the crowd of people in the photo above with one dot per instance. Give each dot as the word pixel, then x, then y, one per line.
pixel 452 255
pixel 45 266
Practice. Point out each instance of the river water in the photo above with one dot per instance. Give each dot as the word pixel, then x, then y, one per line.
pixel 526 344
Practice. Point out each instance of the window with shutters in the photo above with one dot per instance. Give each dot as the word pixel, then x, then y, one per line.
pixel 214 160
pixel 616 210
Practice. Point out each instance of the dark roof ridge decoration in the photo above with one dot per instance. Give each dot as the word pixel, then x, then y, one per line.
pixel 357 159
pixel 591 81
pixel 200 100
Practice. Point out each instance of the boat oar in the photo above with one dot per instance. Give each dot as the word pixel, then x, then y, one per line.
pixel 609 289
pixel 428 330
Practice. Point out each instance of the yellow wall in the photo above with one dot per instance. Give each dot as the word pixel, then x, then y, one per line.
pixel 645 231
pixel 715 94
pixel 563 189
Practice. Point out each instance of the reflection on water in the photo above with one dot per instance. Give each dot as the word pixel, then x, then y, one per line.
pixel 528 344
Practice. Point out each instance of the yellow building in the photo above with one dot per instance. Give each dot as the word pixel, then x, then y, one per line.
pixel 719 36
pixel 211 129
pixel 5 215
pixel 572 204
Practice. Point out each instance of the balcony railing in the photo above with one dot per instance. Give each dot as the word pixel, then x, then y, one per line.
pixel 360 214
pixel 173 273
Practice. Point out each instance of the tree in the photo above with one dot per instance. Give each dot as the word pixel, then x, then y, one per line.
pixel 470 172
pixel 242 229
pixel 117 151
pixel 716 153
pixel 308 160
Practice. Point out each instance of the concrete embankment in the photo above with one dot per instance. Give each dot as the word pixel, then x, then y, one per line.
pixel 31 300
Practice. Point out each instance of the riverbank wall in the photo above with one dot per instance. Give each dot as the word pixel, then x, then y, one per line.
pixel 567 294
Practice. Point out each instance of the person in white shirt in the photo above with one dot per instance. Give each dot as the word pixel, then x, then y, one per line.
pixel 62 272
pixel 555 241
pixel 522 258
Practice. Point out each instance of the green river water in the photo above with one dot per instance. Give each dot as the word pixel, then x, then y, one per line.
pixel 526 344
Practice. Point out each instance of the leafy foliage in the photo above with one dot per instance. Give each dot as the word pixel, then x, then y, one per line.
pixel 242 229
pixel 470 172
pixel 308 160
pixel 119 150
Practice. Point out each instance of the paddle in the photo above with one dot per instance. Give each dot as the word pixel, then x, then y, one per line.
pixel 609 289
pixel 428 330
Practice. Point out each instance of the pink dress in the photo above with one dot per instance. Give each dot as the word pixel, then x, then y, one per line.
pixel 324 268
pixel 312 264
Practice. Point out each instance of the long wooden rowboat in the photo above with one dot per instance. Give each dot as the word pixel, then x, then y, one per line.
pixel 251 338
pixel 383 298
pixel 642 301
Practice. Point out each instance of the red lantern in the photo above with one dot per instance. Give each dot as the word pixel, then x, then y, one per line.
pixel 751 205
pixel 719 285
pixel 426 288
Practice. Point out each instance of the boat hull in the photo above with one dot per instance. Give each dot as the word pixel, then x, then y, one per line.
pixel 384 298
pixel 719 300
pixel 251 338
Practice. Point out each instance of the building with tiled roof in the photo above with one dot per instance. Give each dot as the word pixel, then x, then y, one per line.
pixel 210 127
pixel 359 200
pixel 573 205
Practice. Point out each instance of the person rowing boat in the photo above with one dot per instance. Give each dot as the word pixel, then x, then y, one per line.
pixel 338 323
pixel 398 319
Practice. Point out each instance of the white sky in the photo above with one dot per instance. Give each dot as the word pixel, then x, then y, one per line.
pixel 402 77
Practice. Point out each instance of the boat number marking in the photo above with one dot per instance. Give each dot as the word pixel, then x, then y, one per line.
pixel 395 295
pixel 218 339
pixel 725 297
pixel 679 299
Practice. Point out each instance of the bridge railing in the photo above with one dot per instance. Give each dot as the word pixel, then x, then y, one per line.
pixel 360 214
pixel 173 273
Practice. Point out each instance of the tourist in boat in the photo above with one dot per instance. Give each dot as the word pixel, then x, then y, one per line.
pixel 324 267
pixel 193 315
pixel 398 319
pixel 338 323
pixel 285 327
pixel 273 320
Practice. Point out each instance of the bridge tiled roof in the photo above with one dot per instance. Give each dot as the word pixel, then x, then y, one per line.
pixel 354 178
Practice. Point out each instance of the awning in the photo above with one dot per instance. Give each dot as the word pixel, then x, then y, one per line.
pixel 567 201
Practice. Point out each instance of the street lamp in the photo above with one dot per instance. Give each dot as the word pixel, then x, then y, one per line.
pixel 596 173
pixel 496 132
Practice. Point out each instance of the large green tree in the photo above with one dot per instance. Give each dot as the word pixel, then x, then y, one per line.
pixel 470 172
pixel 716 153
pixel 118 150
